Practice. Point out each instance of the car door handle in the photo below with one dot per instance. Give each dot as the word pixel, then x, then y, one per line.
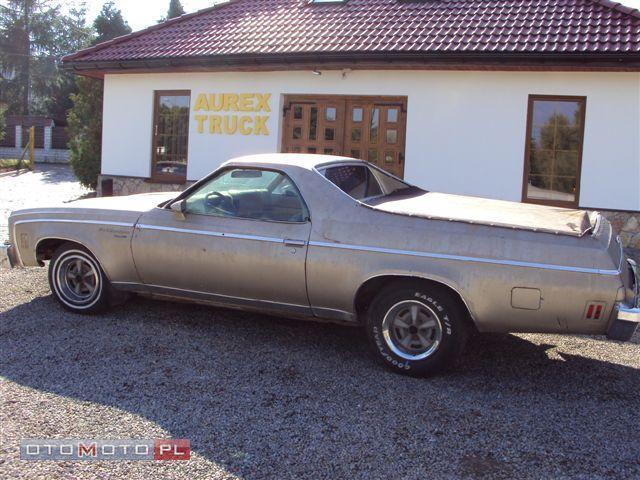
pixel 294 243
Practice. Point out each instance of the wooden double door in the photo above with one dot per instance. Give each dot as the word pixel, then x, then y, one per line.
pixel 369 128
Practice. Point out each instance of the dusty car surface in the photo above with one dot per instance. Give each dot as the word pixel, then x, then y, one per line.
pixel 338 239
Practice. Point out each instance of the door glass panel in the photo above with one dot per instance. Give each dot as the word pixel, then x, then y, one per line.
pixel 249 193
pixel 388 158
pixel 392 136
pixel 555 142
pixel 313 123
pixel 331 114
pixel 356 134
pixel 172 136
pixel 329 133
pixel 356 114
pixel 392 115
pixel 297 112
pixel 375 120
pixel 297 133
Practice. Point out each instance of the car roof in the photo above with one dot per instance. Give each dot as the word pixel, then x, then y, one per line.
pixel 307 161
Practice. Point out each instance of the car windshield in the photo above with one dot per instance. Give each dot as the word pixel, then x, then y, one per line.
pixel 249 193
pixel 365 184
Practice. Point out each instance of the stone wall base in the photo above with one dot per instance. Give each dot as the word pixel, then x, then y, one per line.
pixel 133 185
pixel 625 224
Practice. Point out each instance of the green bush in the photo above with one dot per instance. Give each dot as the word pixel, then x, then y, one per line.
pixel 85 131
pixel 3 122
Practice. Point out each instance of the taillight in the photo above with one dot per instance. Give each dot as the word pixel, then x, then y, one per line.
pixel 594 310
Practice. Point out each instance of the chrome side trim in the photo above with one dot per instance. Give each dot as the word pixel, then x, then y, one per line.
pixel 334 314
pixel 622 256
pixel 444 256
pixel 20 213
pixel 237 236
pixel 65 220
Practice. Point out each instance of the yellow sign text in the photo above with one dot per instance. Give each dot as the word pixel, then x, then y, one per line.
pixel 230 123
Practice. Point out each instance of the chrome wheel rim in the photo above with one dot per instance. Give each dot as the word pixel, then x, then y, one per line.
pixel 77 280
pixel 412 330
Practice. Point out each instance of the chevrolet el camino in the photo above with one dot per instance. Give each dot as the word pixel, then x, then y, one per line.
pixel 338 239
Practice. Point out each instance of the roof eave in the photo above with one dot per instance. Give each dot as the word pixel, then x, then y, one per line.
pixel 359 60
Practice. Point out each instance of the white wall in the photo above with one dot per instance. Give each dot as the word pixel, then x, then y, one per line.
pixel 465 130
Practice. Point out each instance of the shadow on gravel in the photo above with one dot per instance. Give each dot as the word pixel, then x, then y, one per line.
pixel 268 397
pixel 56 173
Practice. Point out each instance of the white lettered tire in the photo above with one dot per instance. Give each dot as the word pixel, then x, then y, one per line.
pixel 417 329
pixel 77 280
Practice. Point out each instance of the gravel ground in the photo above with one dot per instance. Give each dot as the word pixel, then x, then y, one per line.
pixel 272 398
pixel 49 185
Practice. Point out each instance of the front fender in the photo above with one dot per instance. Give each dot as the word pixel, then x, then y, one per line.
pixel 108 240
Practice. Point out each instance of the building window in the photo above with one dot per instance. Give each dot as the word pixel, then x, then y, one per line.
pixel 170 136
pixel 553 154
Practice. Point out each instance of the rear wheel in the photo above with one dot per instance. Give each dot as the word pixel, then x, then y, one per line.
pixel 416 330
pixel 77 280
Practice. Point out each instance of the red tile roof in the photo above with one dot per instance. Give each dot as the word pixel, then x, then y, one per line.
pixel 259 28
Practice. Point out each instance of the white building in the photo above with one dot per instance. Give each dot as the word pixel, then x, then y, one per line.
pixel 517 100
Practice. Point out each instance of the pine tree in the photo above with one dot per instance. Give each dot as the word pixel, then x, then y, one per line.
pixel 85 118
pixel 175 9
pixel 110 23
pixel 28 39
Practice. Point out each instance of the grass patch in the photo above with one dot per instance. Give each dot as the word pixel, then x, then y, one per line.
pixel 7 164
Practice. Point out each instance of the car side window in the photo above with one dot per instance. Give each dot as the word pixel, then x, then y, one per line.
pixel 249 193
pixel 357 181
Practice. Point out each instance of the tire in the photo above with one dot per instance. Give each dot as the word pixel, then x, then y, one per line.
pixel 77 281
pixel 417 329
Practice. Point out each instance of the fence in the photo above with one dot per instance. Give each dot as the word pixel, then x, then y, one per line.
pixel 59 138
pixel 39 136
pixel 50 143
pixel 9 139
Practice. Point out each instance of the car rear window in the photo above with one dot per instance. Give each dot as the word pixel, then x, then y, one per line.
pixel 357 181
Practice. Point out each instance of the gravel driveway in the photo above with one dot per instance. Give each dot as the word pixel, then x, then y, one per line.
pixel 271 398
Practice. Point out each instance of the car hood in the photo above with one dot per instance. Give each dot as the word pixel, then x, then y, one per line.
pixel 499 213
pixel 130 203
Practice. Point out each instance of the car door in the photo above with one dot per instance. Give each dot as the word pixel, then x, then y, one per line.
pixel 241 239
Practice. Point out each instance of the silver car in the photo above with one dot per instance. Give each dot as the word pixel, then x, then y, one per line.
pixel 337 239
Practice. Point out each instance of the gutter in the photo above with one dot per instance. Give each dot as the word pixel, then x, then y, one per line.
pixel 471 61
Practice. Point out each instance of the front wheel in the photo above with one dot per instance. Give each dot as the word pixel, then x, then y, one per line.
pixel 77 281
pixel 416 330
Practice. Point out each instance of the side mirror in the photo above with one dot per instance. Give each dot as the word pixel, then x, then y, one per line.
pixel 178 208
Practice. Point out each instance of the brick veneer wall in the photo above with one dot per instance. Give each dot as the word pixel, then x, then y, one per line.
pixel 133 185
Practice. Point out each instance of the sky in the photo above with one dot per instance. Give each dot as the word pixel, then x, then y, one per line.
pixel 143 13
